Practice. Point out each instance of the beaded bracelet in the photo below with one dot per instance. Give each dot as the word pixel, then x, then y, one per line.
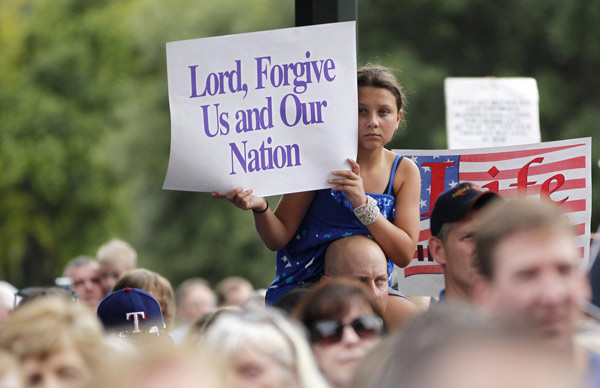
pixel 262 211
pixel 367 213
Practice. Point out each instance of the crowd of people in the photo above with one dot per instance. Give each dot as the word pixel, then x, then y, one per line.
pixel 510 314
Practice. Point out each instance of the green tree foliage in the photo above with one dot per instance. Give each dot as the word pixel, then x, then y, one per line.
pixel 57 195
pixel 85 138
pixel 553 41
pixel 85 128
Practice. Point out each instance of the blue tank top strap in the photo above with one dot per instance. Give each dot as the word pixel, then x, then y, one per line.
pixel 390 185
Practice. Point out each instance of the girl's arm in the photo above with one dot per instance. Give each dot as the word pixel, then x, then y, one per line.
pixel 398 239
pixel 274 228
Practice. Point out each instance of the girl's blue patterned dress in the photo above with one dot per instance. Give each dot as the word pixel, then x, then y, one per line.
pixel 329 217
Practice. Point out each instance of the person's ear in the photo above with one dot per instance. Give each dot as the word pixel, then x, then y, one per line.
pixel 325 278
pixel 399 117
pixel 436 249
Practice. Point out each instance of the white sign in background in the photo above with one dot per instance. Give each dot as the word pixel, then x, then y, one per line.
pixel 491 112
pixel 274 111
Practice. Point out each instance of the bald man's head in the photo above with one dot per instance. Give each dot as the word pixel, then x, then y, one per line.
pixel 361 258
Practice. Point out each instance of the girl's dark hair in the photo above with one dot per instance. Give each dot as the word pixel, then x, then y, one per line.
pixel 332 299
pixel 381 77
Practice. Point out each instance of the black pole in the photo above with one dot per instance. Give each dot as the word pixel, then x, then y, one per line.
pixel 309 12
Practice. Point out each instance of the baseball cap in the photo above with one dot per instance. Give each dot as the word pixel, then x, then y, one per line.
pixel 131 311
pixel 453 204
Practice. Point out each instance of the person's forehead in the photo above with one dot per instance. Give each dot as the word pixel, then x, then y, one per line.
pixel 112 265
pixel 365 265
pixel 471 216
pixel 535 249
pixel 375 95
pixel 468 221
pixel 68 353
pixel 357 308
pixel 63 354
pixel 363 249
pixel 199 292
pixel 267 356
pixel 84 270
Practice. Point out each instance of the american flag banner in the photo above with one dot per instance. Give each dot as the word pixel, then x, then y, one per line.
pixel 559 171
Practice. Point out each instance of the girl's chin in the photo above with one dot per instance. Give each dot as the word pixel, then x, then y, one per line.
pixel 370 145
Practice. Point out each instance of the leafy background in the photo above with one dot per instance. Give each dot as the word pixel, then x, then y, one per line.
pixel 85 127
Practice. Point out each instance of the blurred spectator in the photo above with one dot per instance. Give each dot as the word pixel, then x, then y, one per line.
pixel 594 272
pixel 345 323
pixel 454 346
pixel 423 335
pixel 361 258
pixel 155 284
pixel 530 275
pixel 7 300
pixel 234 291
pixel 507 362
pixel 262 350
pixel 197 330
pixel 58 343
pixel 452 245
pixel 288 301
pixel 134 314
pixel 26 295
pixel 160 366
pixel 9 371
pixel 84 271
pixel 115 257
pixel 256 300
pixel 193 298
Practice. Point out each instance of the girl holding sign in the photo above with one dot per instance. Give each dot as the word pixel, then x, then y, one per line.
pixel 363 200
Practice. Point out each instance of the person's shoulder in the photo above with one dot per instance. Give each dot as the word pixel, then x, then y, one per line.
pixel 408 164
pixel 399 310
pixel 404 164
pixel 407 172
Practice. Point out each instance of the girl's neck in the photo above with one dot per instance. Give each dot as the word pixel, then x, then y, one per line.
pixel 370 158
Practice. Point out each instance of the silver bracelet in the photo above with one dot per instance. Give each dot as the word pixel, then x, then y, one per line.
pixel 367 213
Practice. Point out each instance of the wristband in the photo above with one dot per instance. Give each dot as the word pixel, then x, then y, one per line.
pixel 367 213
pixel 262 211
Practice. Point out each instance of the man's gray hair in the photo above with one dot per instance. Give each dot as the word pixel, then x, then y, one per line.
pixel 79 261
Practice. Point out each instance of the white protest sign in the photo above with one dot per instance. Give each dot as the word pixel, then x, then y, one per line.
pixel 559 171
pixel 490 112
pixel 274 111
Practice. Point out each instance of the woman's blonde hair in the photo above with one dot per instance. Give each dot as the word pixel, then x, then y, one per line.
pixel 267 331
pixel 50 323
pixel 159 364
pixel 156 285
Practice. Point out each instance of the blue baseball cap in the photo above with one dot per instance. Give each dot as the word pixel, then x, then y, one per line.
pixel 454 204
pixel 131 311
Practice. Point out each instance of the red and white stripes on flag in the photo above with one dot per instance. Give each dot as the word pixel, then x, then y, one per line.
pixel 559 171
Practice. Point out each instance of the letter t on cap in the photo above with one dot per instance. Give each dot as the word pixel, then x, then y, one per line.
pixel 136 319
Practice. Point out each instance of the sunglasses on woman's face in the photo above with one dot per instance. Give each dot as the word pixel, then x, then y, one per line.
pixel 331 331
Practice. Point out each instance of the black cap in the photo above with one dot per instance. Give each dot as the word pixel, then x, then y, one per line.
pixel 453 204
